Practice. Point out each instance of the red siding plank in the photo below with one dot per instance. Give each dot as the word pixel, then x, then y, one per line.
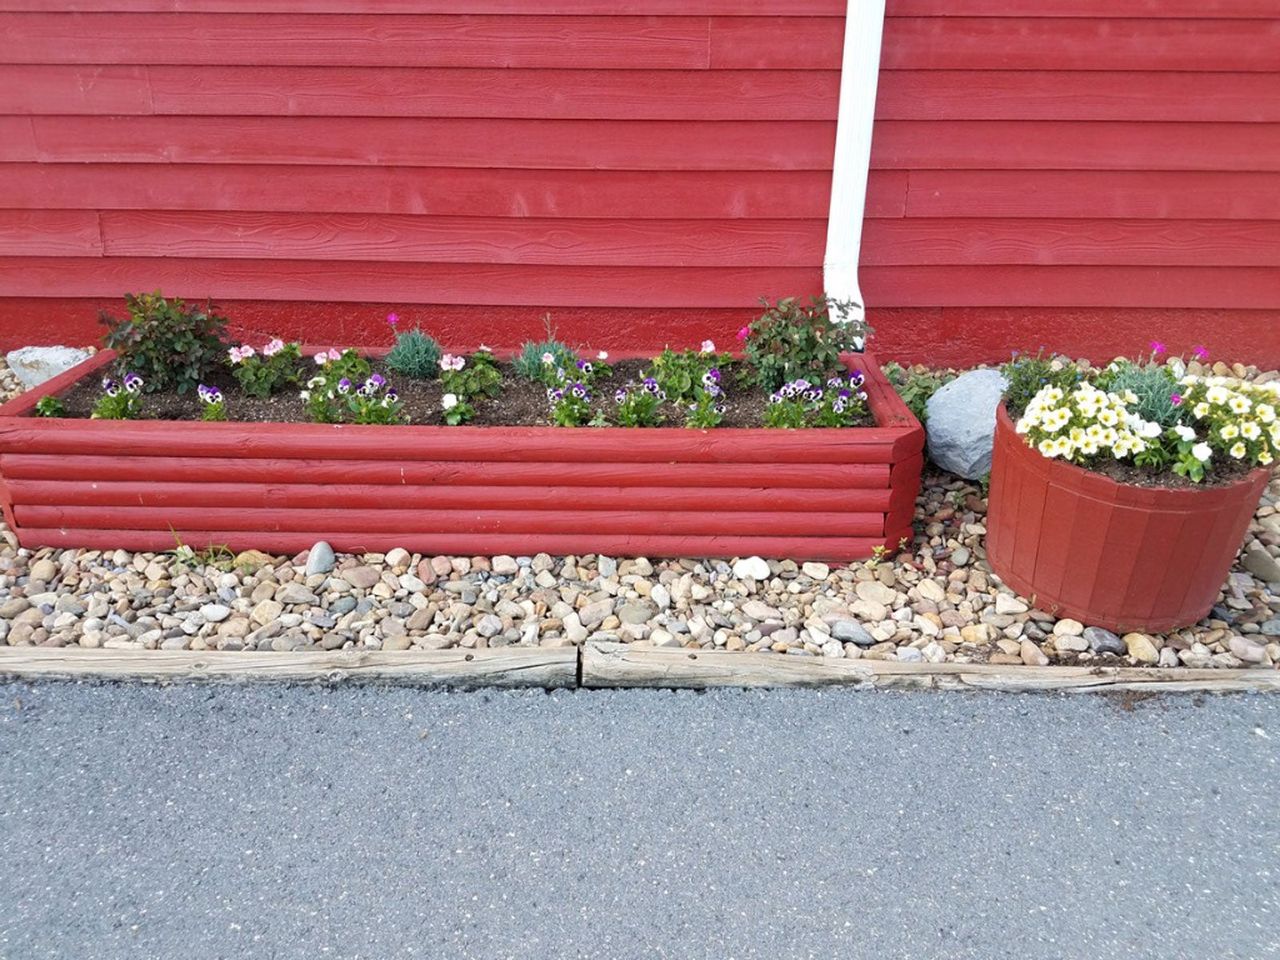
pixel 1055 145
pixel 526 144
pixel 37 89
pixel 1156 9
pixel 854 479
pixel 1077 95
pixel 1072 286
pixel 408 282
pixel 464 239
pixel 1209 243
pixel 619 94
pixel 355 40
pixel 49 233
pixel 779 43
pixel 1103 194
pixel 796 194
pixel 991 43
pixel 17 139
pixel 544 8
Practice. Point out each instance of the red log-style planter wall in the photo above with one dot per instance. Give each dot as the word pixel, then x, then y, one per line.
pixel 1109 554
pixel 811 494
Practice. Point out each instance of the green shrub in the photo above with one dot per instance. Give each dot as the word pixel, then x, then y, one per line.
pixel 794 340
pixel 532 364
pixel 915 388
pixel 166 342
pixel 415 355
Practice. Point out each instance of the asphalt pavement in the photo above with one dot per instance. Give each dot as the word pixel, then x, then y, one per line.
pixel 193 822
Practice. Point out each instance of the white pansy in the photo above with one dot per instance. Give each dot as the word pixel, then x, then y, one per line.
pixel 1184 433
pixel 449 401
pixel 1201 452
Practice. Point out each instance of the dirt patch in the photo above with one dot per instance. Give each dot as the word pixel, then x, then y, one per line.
pixel 521 403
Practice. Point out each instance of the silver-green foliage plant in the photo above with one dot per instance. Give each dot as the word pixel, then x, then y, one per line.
pixel 416 355
pixel 1154 386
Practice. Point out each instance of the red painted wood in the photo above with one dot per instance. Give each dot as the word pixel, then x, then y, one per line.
pixel 1062 145
pixel 777 43
pixel 1094 194
pixel 1081 286
pixel 754 242
pixel 355 40
pixel 1084 528
pixel 540 286
pixel 1031 43
pixel 838 549
pixel 905 242
pixel 610 94
pixel 640 195
pixel 1077 95
pixel 854 480
pixel 379 141
pixel 826 8
pixel 41 88
pixel 1193 9
pixel 17 139
pixel 49 233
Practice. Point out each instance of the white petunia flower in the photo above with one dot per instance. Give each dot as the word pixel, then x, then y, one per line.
pixel 1250 430
pixel 1238 450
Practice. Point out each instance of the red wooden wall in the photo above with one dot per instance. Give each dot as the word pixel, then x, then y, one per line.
pixel 1086 174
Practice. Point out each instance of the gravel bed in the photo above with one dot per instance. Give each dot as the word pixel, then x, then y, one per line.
pixel 936 601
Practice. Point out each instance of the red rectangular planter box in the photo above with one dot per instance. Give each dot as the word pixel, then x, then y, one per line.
pixel 142 485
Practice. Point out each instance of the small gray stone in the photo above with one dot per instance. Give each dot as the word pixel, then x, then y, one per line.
pixel 661 596
pixel 362 578
pixel 296 593
pixel 635 612
pixel 852 631
pixel 910 655
pixel 759 610
pixel 1247 650
pixel 44 570
pixel 1104 641
pixel 505 566
pixel 215 612
pixel 593 613
pixel 962 422
pixel 1270 628
pixel 489 625
pixel 34 365
pixel 1261 564
pixel 320 559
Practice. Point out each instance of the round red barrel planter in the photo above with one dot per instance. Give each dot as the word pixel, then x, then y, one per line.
pixel 1128 558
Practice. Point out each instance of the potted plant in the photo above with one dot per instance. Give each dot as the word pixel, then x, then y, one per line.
pixel 274 446
pixel 1120 497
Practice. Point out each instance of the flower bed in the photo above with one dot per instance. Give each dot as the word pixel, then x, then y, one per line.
pixel 817 493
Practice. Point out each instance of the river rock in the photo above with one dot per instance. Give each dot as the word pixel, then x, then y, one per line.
pixel 962 421
pixel 320 559
pixel 34 365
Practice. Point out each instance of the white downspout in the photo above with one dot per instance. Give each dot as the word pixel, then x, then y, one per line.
pixel 859 75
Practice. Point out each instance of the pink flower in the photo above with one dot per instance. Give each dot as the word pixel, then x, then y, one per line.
pixel 450 362
pixel 272 348
pixel 708 346
pixel 1200 352
pixel 321 358
pixel 1176 399
pixel 744 333
pixel 1157 347
pixel 392 319
pixel 240 354
pixel 335 354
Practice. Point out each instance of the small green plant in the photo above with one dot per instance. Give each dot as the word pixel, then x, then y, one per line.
pixel 372 402
pixel 639 404
pixel 50 406
pixel 415 354
pixel 1152 385
pixel 878 553
pixel 797 340
pixel 839 403
pixel 456 411
pixel 1027 375
pixel 120 400
pixel 680 374
pixel 570 402
pixel 539 359
pixel 166 342
pixel 262 374
pixel 218 556
pixel 916 387
pixel 707 409
pixel 471 377
pixel 213 406
pixel 324 395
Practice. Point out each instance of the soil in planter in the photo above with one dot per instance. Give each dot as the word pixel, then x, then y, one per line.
pixel 521 403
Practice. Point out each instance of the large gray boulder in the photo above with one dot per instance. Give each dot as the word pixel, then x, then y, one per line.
pixel 34 365
pixel 962 422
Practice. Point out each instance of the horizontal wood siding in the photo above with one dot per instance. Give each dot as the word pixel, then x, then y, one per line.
pixel 572 155
pixel 1083 174
pixel 1070 172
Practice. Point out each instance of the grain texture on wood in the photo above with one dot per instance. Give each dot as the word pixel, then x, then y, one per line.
pixel 635 665
pixel 492 667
